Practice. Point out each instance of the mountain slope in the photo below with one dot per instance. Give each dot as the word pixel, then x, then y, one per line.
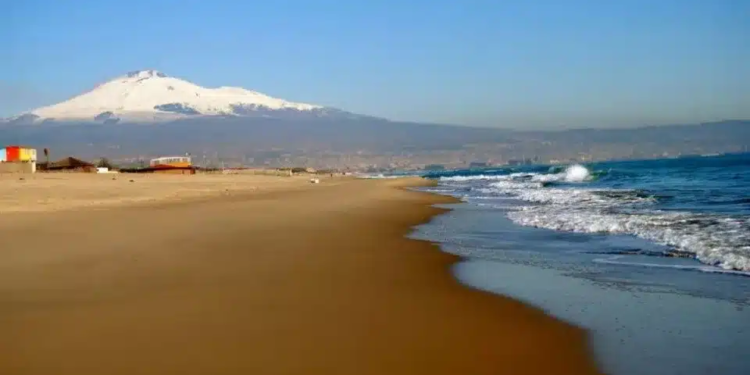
pixel 152 96
pixel 258 141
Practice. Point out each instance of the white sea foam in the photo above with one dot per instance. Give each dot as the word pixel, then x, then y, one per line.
pixel 577 173
pixel 573 173
pixel 377 176
pixel 703 268
pixel 472 178
pixel 723 241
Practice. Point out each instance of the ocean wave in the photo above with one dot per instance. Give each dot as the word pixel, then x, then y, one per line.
pixel 718 241
pixel 473 178
pixel 572 174
pixel 564 200
pixel 584 198
pixel 704 268
pixel 379 176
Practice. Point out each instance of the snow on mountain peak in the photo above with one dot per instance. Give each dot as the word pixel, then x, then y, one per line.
pixel 150 95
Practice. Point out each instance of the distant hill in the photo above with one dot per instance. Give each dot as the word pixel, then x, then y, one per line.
pixel 232 136
pixel 149 96
pixel 247 133
pixel 149 113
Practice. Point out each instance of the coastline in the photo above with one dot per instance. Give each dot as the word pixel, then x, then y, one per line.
pixel 645 314
pixel 319 279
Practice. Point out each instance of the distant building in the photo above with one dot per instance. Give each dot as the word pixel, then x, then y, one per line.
pixel 68 164
pixel 171 165
pixel 478 164
pixel 166 165
pixel 167 162
pixel 17 159
pixel 185 170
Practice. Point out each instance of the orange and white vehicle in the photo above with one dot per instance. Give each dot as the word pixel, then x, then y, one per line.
pixel 171 162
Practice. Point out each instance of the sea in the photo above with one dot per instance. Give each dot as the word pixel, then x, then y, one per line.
pixel 652 257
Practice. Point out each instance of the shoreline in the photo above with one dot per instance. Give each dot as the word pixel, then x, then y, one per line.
pixel 634 309
pixel 323 280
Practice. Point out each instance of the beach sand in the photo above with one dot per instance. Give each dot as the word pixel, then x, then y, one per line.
pixel 286 278
pixel 44 192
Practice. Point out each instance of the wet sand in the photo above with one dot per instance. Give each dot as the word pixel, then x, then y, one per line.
pixel 314 279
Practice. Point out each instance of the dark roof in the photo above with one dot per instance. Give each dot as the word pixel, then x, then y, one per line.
pixel 69 162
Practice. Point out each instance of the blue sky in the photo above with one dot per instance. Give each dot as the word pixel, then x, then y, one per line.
pixel 523 64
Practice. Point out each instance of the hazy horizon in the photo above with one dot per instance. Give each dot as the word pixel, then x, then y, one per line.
pixel 538 65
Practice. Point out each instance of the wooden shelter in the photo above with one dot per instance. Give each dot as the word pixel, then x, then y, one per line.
pixel 68 164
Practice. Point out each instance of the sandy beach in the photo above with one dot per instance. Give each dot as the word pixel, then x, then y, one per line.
pixel 249 275
pixel 45 192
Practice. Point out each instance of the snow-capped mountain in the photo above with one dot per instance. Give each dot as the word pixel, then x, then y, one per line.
pixel 150 95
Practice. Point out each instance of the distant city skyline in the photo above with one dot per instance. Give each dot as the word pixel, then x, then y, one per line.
pixel 539 64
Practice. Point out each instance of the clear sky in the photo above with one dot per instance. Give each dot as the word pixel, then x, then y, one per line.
pixel 520 64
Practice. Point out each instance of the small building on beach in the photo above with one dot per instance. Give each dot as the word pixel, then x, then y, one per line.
pixel 166 165
pixel 17 159
pixel 68 164
pixel 168 162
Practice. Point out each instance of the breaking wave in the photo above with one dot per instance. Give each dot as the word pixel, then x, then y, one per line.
pixel 563 200
pixel 378 176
